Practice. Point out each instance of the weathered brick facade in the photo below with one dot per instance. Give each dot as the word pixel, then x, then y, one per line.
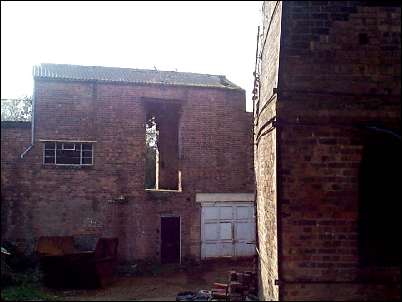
pixel 336 67
pixel 215 156
pixel 265 155
pixel 15 136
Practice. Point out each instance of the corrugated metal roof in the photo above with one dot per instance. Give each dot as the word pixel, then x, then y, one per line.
pixel 128 75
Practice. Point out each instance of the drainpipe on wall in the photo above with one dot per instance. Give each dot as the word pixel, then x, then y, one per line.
pixel 32 122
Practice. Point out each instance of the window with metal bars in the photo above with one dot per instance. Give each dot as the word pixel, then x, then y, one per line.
pixel 68 153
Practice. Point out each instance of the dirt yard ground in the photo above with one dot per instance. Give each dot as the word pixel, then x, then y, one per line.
pixel 163 286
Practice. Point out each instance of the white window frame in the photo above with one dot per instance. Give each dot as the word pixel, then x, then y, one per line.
pixel 69 142
pixel 68 149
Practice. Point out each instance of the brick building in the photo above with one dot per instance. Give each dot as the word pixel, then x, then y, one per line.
pixel 327 116
pixel 80 168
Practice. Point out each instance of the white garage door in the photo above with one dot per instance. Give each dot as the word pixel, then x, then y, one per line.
pixel 227 229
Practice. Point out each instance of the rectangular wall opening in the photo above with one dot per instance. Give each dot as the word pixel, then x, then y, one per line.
pixel 380 202
pixel 170 240
pixel 162 146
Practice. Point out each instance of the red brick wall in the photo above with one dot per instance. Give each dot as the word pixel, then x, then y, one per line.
pixel 215 157
pixel 323 42
pixel 265 152
pixel 331 81
pixel 15 138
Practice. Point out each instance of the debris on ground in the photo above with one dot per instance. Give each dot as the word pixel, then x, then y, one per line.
pixel 241 286
pixel 164 285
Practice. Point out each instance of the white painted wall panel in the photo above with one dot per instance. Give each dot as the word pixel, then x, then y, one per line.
pixel 228 229
pixel 225 231
pixel 211 231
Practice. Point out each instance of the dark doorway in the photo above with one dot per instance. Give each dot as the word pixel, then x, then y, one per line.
pixel 170 239
pixel 380 201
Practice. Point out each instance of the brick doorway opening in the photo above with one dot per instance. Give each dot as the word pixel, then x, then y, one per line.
pixel 170 240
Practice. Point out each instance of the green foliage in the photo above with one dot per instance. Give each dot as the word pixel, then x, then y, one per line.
pixel 18 270
pixel 20 276
pixel 6 272
pixel 21 286
pixel 25 292
pixel 16 109
pixel 19 261
pixel 17 286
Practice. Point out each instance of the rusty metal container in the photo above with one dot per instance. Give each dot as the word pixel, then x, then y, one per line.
pixel 65 267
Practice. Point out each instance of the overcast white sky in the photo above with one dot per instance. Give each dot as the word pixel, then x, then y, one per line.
pixel 202 37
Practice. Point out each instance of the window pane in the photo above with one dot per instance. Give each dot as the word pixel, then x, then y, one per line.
pixel 86 146
pixel 68 146
pixel 86 153
pixel 87 161
pixel 49 153
pixel 68 153
pixel 68 160
pixel 68 157
pixel 49 146
pixel 49 160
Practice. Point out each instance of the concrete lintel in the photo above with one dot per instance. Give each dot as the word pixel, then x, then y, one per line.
pixel 219 197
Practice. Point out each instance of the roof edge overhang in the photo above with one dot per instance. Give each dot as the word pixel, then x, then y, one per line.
pixel 95 81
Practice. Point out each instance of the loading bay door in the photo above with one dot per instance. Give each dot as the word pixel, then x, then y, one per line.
pixel 227 229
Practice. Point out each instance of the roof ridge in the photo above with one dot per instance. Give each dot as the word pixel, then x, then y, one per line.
pixel 129 68
pixel 130 75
